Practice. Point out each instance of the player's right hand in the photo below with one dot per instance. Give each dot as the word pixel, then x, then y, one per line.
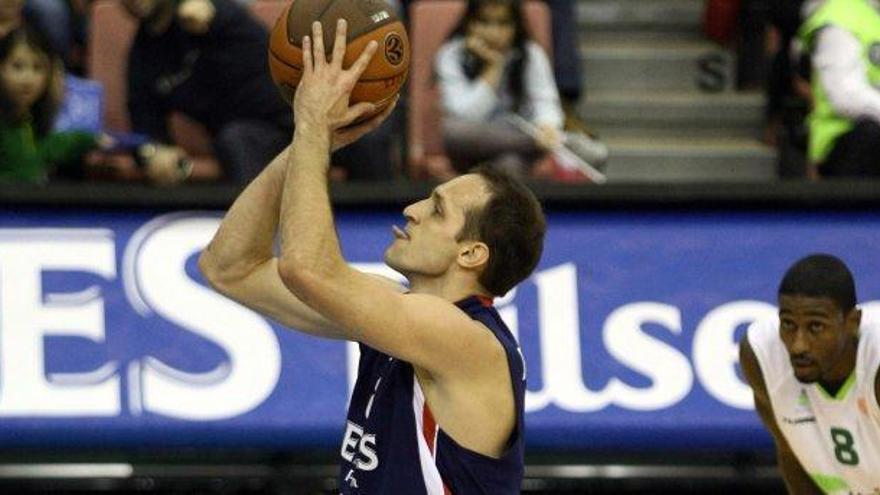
pixel 322 97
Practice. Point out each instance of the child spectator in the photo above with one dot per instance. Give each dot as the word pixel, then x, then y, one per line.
pixel 31 78
pixel 494 80
pixel 31 89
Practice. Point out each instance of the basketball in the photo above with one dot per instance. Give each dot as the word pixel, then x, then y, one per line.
pixel 367 20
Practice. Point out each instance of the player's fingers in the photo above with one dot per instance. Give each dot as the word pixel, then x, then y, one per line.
pixel 318 39
pixel 360 65
pixel 378 119
pixel 357 111
pixel 339 43
pixel 307 55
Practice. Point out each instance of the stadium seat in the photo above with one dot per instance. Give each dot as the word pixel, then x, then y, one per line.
pixel 431 22
pixel 111 34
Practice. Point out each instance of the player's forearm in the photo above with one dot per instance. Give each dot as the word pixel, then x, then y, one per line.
pixel 797 481
pixel 308 236
pixel 246 235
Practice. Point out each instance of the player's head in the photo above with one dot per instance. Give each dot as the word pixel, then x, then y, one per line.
pixel 486 226
pixel 818 318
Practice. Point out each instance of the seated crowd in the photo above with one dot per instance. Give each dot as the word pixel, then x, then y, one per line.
pixel 499 95
pixel 205 60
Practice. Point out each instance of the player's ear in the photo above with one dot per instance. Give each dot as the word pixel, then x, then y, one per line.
pixel 473 254
pixel 854 320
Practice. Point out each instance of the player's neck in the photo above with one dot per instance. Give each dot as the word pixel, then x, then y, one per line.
pixel 446 288
pixel 838 374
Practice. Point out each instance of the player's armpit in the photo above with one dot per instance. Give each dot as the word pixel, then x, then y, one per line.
pixel 752 371
pixel 796 479
pixel 424 330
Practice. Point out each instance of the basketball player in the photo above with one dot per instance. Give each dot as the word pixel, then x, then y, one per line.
pixel 438 403
pixel 814 373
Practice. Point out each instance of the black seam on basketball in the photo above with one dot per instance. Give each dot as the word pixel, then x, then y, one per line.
pixel 372 27
pixel 362 79
pixel 326 8
pixel 284 62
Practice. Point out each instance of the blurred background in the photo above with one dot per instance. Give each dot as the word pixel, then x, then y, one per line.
pixel 680 184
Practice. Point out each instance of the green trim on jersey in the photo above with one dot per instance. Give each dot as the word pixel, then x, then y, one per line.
pixel 829 483
pixel 842 391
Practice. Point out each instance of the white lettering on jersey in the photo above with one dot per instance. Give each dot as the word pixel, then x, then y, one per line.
pixel 359 448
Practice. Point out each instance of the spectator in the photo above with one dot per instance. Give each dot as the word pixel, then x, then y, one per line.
pixel 567 69
pixel 492 77
pixel 207 60
pixel 31 78
pixel 54 19
pixel 785 19
pixel 842 37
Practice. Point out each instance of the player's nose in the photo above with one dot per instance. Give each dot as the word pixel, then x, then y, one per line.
pixel 413 211
pixel 409 213
pixel 800 343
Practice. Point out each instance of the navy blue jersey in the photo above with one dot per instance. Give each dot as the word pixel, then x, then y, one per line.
pixel 392 445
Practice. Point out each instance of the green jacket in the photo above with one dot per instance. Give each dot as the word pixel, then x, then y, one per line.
pixel 862 21
pixel 24 158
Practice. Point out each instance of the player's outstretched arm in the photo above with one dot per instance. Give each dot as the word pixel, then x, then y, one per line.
pixel 240 262
pixel 796 479
pixel 425 330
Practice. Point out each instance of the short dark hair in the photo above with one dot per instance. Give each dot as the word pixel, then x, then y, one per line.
pixel 512 225
pixel 821 275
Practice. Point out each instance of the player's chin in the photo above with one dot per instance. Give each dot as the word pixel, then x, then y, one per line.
pixel 806 374
pixel 393 256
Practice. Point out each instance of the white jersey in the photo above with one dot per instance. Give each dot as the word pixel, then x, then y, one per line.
pixel 836 439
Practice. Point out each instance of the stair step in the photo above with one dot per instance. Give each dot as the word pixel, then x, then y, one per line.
pixel 652 66
pixel 593 36
pixel 647 14
pixel 688 159
pixel 626 113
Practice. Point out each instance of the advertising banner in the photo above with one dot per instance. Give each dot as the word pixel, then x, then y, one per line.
pixel 110 338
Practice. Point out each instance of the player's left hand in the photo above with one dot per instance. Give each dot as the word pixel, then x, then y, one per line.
pixel 322 96
pixel 346 135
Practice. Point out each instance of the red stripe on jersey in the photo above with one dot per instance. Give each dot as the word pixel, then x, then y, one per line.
pixel 485 301
pixel 429 428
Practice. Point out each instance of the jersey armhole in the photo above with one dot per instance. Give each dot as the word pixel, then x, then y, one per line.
pixel 872 391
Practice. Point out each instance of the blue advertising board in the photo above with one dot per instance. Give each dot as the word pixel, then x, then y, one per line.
pixel 109 336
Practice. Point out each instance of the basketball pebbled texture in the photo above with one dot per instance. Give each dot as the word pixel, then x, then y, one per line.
pixel 367 20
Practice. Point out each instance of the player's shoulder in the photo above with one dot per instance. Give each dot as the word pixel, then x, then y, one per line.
pixel 432 307
pixel 768 350
pixel 870 331
pixel 762 332
pixel 869 343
